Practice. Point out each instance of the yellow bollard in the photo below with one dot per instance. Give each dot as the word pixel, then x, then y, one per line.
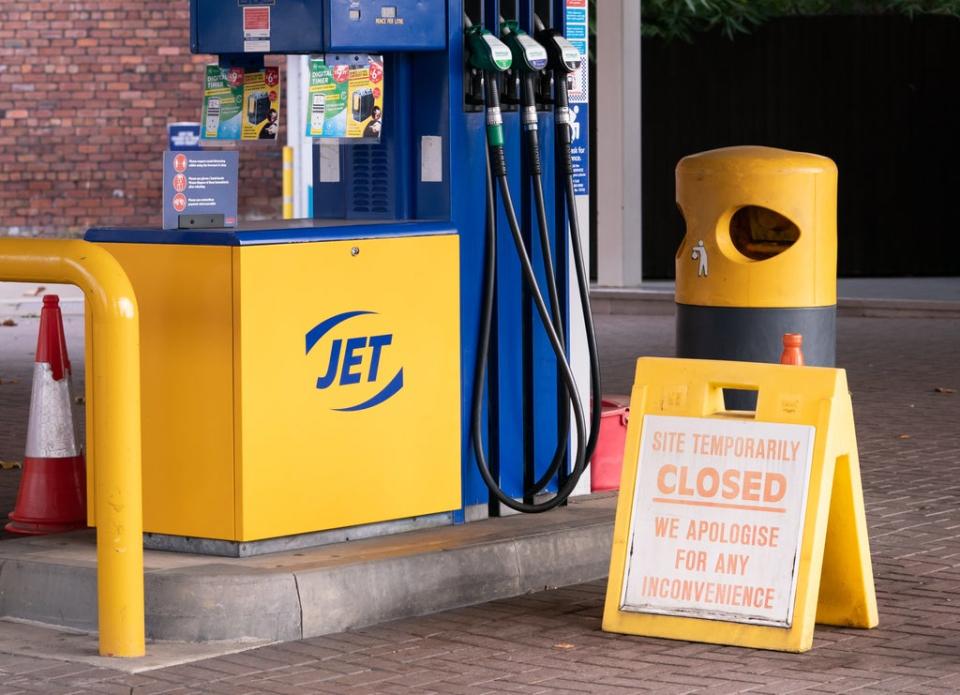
pixel 116 421
pixel 288 183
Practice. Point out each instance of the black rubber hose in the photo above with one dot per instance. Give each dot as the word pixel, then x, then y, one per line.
pixel 596 395
pixel 496 162
pixel 532 142
pixel 488 296
pixel 563 424
pixel 565 169
pixel 580 461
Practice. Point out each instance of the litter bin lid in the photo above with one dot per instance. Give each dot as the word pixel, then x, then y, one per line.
pixel 761 229
pixel 769 159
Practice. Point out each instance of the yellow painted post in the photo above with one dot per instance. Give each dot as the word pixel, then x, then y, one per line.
pixel 116 421
pixel 288 183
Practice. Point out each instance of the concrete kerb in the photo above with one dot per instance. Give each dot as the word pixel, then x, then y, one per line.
pixel 288 596
pixel 356 595
pixel 217 602
pixel 54 594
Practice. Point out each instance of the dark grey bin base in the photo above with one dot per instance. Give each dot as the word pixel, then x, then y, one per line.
pixel 754 335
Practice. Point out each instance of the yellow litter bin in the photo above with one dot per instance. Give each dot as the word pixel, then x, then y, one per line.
pixel 759 258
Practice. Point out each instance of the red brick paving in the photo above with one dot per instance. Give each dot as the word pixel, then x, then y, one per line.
pixel 550 642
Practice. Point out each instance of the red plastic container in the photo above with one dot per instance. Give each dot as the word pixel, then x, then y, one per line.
pixel 607 459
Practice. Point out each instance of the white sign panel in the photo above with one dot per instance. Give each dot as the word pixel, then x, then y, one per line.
pixel 717 519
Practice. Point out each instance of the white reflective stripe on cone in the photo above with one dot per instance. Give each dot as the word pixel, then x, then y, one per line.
pixel 51 433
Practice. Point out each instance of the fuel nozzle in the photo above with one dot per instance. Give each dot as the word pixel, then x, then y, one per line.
pixel 487 52
pixel 491 56
pixel 528 55
pixel 563 57
pixel 529 59
pixel 563 60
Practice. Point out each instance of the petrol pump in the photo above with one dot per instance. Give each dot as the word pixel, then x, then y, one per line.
pixel 403 359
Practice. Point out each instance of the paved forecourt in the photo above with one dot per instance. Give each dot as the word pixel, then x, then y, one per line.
pixel 901 372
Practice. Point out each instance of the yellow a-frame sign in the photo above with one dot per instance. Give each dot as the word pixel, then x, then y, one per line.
pixel 739 528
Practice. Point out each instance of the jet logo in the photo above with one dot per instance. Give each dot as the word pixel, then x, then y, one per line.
pixel 354 360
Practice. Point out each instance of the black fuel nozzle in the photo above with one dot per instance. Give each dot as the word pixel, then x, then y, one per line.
pixel 562 56
pixel 563 60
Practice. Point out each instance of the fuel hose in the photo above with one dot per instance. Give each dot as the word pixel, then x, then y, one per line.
pixel 497 169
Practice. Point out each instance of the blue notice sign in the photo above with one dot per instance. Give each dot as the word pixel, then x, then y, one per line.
pixel 184 136
pixel 200 189
pixel 579 150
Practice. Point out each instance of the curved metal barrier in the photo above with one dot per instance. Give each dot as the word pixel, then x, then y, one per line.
pixel 115 421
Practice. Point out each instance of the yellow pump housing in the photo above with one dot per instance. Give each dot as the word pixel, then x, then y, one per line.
pixel 243 439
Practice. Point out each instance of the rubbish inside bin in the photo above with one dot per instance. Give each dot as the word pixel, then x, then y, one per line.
pixel 760 233
pixel 607 460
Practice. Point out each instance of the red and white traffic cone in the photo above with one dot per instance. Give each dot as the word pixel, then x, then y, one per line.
pixel 53 496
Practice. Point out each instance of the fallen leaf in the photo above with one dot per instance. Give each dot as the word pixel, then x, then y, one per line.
pixel 9 381
pixel 10 465
pixel 8 322
pixel 944 389
pixel 79 400
pixel 904 436
pixel 35 292
pixel 564 645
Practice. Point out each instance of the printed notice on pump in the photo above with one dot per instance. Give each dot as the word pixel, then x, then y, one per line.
pixel 256 29
pixel 718 518
pixel 200 189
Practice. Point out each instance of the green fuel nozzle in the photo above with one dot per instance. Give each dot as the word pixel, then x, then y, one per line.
pixel 490 55
pixel 487 52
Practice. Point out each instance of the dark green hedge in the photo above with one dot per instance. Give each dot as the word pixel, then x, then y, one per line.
pixel 682 19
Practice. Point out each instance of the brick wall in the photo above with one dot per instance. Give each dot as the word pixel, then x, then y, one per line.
pixel 86 91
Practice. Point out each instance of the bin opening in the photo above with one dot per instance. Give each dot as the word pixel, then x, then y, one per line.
pixel 760 233
pixel 739 403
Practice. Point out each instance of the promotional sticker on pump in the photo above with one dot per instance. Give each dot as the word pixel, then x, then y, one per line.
pixel 222 103
pixel 241 104
pixel 261 98
pixel 326 99
pixel 345 98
